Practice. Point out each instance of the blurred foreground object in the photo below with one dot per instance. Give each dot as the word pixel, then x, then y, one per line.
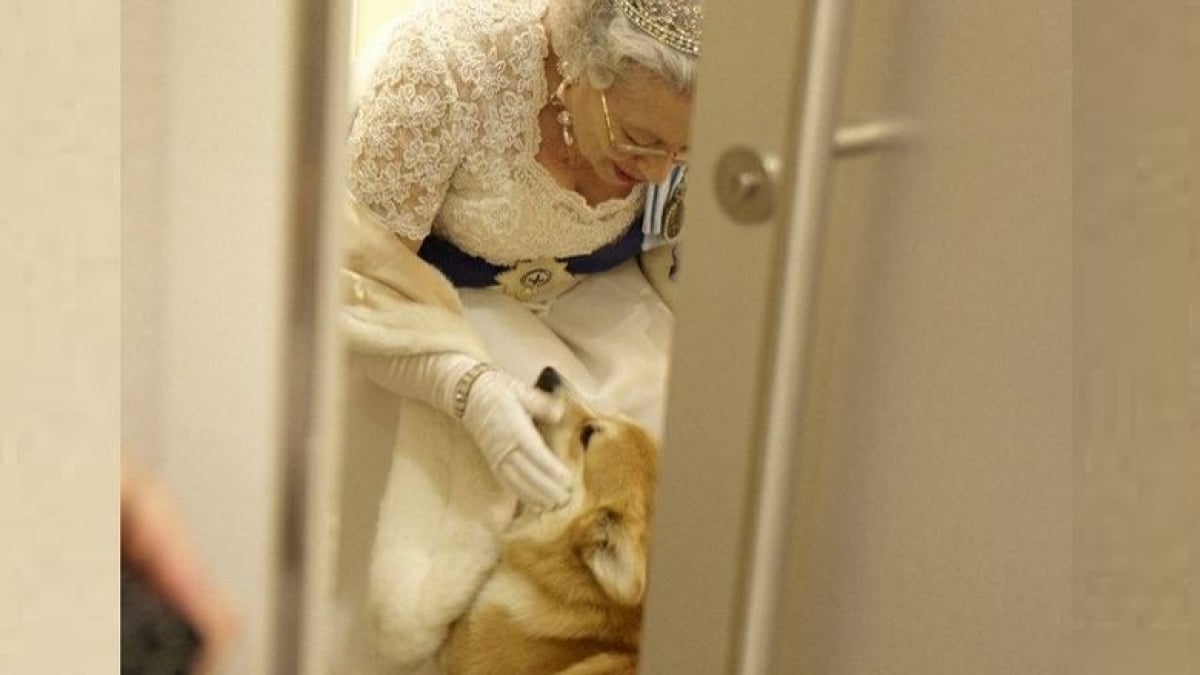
pixel 171 614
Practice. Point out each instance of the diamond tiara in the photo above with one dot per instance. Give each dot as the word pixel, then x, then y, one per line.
pixel 675 23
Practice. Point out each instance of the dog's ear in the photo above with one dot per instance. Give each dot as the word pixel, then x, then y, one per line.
pixel 610 544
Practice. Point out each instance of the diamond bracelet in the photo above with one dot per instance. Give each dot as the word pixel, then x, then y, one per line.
pixel 463 388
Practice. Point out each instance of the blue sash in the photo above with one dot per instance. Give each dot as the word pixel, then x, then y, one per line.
pixel 468 271
pixel 656 225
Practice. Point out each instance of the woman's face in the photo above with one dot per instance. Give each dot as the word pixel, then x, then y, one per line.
pixel 644 131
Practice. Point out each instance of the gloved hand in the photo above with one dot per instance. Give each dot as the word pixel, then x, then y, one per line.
pixel 498 413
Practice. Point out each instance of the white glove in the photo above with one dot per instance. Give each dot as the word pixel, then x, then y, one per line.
pixel 498 414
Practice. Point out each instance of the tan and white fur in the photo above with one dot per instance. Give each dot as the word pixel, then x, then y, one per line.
pixel 566 595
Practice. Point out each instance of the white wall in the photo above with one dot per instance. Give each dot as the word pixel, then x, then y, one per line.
pixel 59 292
pixel 370 16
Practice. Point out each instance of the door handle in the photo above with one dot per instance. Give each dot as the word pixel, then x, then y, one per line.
pixel 869 136
pixel 816 145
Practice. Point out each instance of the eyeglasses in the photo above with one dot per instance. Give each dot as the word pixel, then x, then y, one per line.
pixel 633 148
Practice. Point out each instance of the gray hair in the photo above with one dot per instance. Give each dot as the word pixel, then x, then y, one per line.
pixel 595 38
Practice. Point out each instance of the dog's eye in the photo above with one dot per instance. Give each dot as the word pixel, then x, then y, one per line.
pixel 585 434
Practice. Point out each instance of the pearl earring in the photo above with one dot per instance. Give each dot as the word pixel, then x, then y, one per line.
pixel 564 115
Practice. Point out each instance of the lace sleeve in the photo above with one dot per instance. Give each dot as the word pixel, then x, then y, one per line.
pixel 403 147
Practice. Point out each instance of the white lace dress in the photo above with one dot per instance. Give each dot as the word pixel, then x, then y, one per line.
pixel 446 133
pixel 444 141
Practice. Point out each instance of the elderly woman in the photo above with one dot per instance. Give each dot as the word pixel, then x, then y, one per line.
pixel 522 149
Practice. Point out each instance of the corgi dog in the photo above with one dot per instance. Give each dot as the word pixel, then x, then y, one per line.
pixel 566 595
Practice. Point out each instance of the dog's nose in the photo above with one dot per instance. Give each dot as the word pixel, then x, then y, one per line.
pixel 549 380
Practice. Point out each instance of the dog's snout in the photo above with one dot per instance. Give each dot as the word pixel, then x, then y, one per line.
pixel 549 380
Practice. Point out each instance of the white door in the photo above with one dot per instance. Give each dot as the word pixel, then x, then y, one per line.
pixel 228 110
pixel 867 464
